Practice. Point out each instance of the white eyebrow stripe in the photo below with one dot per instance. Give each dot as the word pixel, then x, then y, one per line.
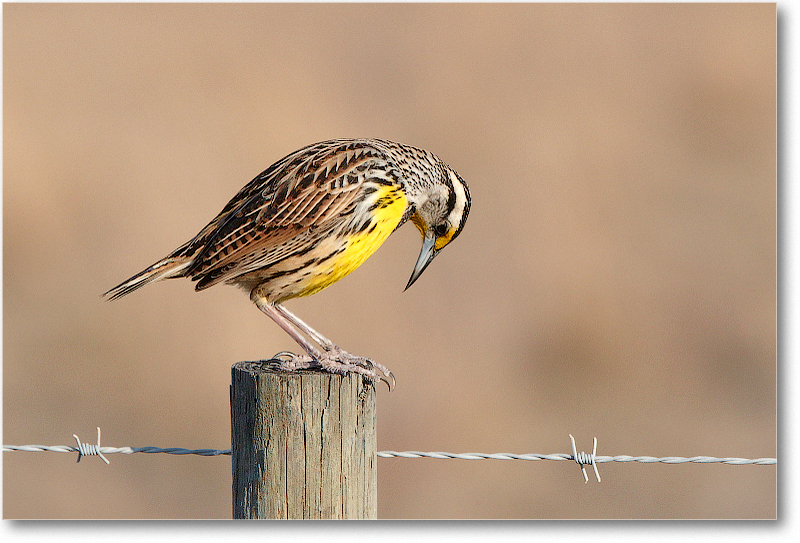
pixel 461 197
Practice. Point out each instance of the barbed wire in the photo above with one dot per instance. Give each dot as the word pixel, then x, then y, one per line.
pixel 582 459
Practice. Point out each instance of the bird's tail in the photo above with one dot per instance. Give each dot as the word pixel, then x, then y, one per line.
pixel 172 266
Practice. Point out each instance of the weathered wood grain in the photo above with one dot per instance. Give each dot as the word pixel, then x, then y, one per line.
pixel 303 444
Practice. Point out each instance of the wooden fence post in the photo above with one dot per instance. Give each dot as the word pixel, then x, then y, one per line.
pixel 303 444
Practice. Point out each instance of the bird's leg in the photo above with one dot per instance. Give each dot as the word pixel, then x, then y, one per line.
pixel 333 359
pixel 324 342
pixel 334 351
pixel 272 312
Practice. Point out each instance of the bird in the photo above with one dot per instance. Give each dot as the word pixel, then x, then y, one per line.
pixel 310 219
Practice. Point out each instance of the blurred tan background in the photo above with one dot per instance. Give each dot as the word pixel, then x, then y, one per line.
pixel 617 276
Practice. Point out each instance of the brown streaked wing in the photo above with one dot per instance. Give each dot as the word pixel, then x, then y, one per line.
pixel 311 190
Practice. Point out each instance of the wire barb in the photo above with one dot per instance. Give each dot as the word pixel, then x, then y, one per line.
pixel 582 459
pixel 86 449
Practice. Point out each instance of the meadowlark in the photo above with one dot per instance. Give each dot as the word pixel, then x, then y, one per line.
pixel 310 219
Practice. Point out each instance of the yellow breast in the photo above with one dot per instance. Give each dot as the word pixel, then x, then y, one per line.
pixel 390 203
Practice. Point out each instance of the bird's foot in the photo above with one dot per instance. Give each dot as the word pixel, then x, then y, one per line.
pixel 335 360
pixel 336 357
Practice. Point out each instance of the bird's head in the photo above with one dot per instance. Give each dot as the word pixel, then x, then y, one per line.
pixel 440 216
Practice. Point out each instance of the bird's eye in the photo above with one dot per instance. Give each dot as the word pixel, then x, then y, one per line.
pixel 441 229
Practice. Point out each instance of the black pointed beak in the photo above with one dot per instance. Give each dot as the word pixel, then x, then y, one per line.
pixel 426 256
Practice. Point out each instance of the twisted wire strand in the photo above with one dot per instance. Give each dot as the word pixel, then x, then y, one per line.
pixel 582 459
pixel 112 450
pixel 420 454
pixel 597 459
